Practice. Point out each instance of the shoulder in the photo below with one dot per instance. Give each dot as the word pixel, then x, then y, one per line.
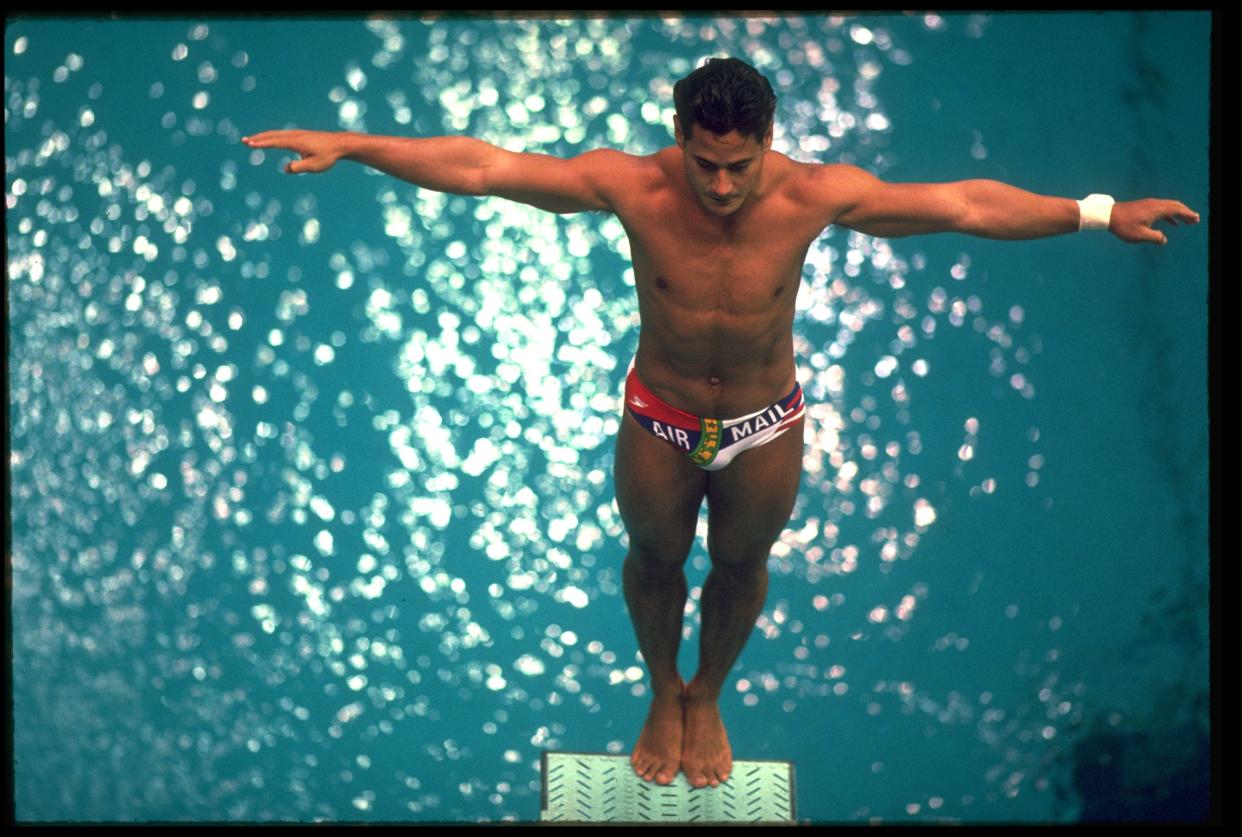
pixel 828 189
pixel 627 179
pixel 609 166
pixel 610 159
pixel 818 180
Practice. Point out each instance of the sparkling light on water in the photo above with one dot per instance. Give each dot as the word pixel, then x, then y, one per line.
pixel 296 500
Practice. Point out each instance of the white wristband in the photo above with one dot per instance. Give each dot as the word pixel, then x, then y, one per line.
pixel 1094 212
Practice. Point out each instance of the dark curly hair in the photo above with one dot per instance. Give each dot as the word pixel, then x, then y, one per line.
pixel 725 95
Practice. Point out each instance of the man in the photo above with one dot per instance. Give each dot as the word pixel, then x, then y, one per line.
pixel 719 227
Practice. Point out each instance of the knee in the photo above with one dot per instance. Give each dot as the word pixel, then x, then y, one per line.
pixel 739 555
pixel 656 560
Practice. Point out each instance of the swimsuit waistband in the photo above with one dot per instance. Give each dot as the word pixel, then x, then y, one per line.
pixel 659 409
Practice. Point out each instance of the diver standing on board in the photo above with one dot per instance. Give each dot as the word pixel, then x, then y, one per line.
pixel 719 227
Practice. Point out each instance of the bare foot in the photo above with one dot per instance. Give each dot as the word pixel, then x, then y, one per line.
pixel 706 756
pixel 657 754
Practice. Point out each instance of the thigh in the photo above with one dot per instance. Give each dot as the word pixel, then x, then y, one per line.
pixel 659 492
pixel 750 500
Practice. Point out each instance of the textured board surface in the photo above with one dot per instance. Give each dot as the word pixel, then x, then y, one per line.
pixel 595 787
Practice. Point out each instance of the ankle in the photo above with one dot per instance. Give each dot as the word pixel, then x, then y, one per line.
pixel 696 692
pixel 672 688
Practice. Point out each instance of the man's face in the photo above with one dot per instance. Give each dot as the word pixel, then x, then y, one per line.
pixel 722 169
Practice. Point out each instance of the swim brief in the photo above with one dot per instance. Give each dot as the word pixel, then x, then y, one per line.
pixel 711 443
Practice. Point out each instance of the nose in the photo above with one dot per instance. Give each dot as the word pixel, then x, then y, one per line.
pixel 721 186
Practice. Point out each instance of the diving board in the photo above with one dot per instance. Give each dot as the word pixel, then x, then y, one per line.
pixel 596 787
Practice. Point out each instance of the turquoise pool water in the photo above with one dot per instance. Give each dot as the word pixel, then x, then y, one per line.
pixel 311 499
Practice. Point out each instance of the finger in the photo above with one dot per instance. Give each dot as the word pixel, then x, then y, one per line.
pixel 1182 211
pixel 1186 217
pixel 300 166
pixel 265 139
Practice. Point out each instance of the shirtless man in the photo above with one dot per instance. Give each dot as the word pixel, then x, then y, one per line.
pixel 719 227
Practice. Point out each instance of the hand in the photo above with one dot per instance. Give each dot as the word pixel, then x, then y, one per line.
pixel 319 149
pixel 1132 220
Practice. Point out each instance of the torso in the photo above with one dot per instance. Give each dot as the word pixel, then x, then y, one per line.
pixel 716 299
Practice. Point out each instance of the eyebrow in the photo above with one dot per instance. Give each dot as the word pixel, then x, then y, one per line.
pixel 734 164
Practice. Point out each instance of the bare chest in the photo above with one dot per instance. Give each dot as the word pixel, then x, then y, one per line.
pixel 747 271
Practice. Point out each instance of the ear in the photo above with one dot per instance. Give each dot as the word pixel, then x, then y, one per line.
pixel 677 134
pixel 767 140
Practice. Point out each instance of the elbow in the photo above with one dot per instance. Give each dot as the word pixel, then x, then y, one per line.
pixel 965 213
pixel 968 221
pixel 475 184
pixel 491 172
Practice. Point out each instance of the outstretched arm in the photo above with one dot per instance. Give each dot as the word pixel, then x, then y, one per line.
pixel 984 208
pixel 459 165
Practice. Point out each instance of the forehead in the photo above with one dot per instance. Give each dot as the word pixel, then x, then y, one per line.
pixel 722 148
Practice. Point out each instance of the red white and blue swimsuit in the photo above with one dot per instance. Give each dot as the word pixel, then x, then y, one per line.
pixel 711 443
